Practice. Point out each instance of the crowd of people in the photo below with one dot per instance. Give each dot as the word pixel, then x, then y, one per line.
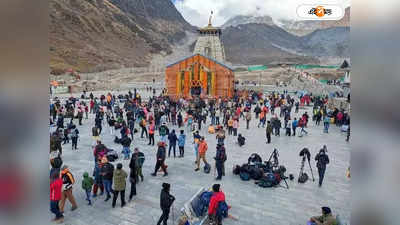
pixel 177 123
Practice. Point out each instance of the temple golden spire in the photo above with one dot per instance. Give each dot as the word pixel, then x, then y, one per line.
pixel 209 20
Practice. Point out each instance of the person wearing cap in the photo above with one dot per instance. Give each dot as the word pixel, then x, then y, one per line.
pixel 68 182
pixel 220 159
pixel 119 177
pixel 166 201
pixel 322 160
pixel 202 153
pixel 217 197
pixel 107 172
pixel 87 183
pixel 161 154
pixel 326 218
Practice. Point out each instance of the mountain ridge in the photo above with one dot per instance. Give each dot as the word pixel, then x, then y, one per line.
pixel 96 35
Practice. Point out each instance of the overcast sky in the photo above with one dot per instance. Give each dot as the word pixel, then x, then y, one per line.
pixel 197 12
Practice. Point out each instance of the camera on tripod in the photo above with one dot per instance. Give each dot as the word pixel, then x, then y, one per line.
pixel 306 155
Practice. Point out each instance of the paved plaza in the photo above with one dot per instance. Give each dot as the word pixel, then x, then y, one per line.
pixel 252 205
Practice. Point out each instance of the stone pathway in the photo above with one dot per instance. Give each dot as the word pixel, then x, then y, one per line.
pixel 251 204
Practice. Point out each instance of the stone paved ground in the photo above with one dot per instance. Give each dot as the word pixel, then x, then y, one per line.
pixel 250 203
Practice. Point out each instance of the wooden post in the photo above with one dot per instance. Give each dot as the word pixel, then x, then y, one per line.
pixel 178 84
pixel 213 80
pixel 187 83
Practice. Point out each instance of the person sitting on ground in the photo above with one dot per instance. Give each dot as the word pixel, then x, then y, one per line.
pixel 326 218
pixel 241 140
pixel 217 197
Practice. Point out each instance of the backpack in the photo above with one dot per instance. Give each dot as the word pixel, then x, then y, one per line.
pixel 222 209
pixel 244 176
pixel 74 133
pixel 256 173
pixel 207 168
pixel 111 155
pixel 236 170
pixel 268 181
pixel 163 131
pixel 140 160
pixel 303 178
pixel 117 140
pixel 254 159
pixel 222 155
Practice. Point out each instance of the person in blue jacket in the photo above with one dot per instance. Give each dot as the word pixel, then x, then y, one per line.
pixel 181 144
pixel 294 126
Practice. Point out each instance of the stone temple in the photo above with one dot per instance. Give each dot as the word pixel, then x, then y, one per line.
pixel 204 73
pixel 209 43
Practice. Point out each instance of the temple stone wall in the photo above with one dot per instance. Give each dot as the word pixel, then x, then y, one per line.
pixel 213 43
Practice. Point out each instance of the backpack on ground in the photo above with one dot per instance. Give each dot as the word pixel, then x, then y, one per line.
pixel 256 173
pixel 268 181
pixel 207 168
pixel 244 176
pixel 236 170
pixel 254 159
pixel 303 178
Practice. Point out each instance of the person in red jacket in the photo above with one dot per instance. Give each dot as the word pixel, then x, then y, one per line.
pixel 55 196
pixel 218 196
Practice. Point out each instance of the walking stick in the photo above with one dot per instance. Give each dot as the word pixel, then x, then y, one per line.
pixel 215 168
pixel 173 214
pixel 311 171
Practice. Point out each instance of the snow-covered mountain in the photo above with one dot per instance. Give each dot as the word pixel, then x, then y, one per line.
pixel 238 20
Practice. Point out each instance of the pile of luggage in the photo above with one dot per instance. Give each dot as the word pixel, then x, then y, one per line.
pixel 263 173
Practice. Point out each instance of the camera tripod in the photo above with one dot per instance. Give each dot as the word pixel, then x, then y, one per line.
pixel 275 161
pixel 305 153
pixel 274 164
